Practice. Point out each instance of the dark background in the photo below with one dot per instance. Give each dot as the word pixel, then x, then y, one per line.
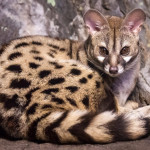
pixel 63 19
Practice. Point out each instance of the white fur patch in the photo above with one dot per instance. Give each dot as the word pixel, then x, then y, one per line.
pixel 107 68
pixel 103 44
pixel 120 69
pixel 125 43
pixel 127 58
pixel 100 58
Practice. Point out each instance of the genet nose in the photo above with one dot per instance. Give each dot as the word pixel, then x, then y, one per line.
pixel 113 70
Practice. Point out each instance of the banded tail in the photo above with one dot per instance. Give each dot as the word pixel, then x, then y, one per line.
pixel 81 126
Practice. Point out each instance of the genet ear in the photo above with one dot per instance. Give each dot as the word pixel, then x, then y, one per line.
pixel 94 20
pixel 134 20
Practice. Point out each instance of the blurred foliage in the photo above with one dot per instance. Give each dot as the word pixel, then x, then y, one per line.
pixel 52 2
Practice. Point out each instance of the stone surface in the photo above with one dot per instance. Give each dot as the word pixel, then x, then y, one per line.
pixel 63 19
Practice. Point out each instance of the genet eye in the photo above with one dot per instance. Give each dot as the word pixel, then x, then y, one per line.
pixel 125 51
pixel 103 51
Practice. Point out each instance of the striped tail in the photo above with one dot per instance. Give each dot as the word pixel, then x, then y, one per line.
pixel 81 126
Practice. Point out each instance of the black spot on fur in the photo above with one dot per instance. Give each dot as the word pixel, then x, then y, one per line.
pixel 78 55
pixel 4 134
pixel 118 128
pixel 57 66
pixel 44 73
pixel 75 71
pixel 53 63
pixel 57 100
pixel 14 55
pixel 46 106
pixel 33 127
pixel 1 119
pixel 1 62
pixel 3 97
pixel 90 76
pixel 83 80
pixel 62 49
pixel 85 101
pixel 78 130
pixel 32 109
pixel 51 55
pixel 58 39
pixel 74 65
pixel 72 88
pixel 97 84
pixel 53 51
pixel 23 44
pixel 20 83
pixel 33 65
pixel 1 51
pixel 29 95
pixel 56 81
pixel 14 68
pixel 9 102
pixel 48 91
pixel 36 43
pixel 13 123
pixel 53 46
pixel 50 132
pixel 146 121
pixel 72 102
pixel 70 49
pixel 12 102
pixel 34 52
pixel 38 58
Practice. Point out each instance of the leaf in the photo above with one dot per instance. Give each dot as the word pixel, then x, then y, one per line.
pixel 52 2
